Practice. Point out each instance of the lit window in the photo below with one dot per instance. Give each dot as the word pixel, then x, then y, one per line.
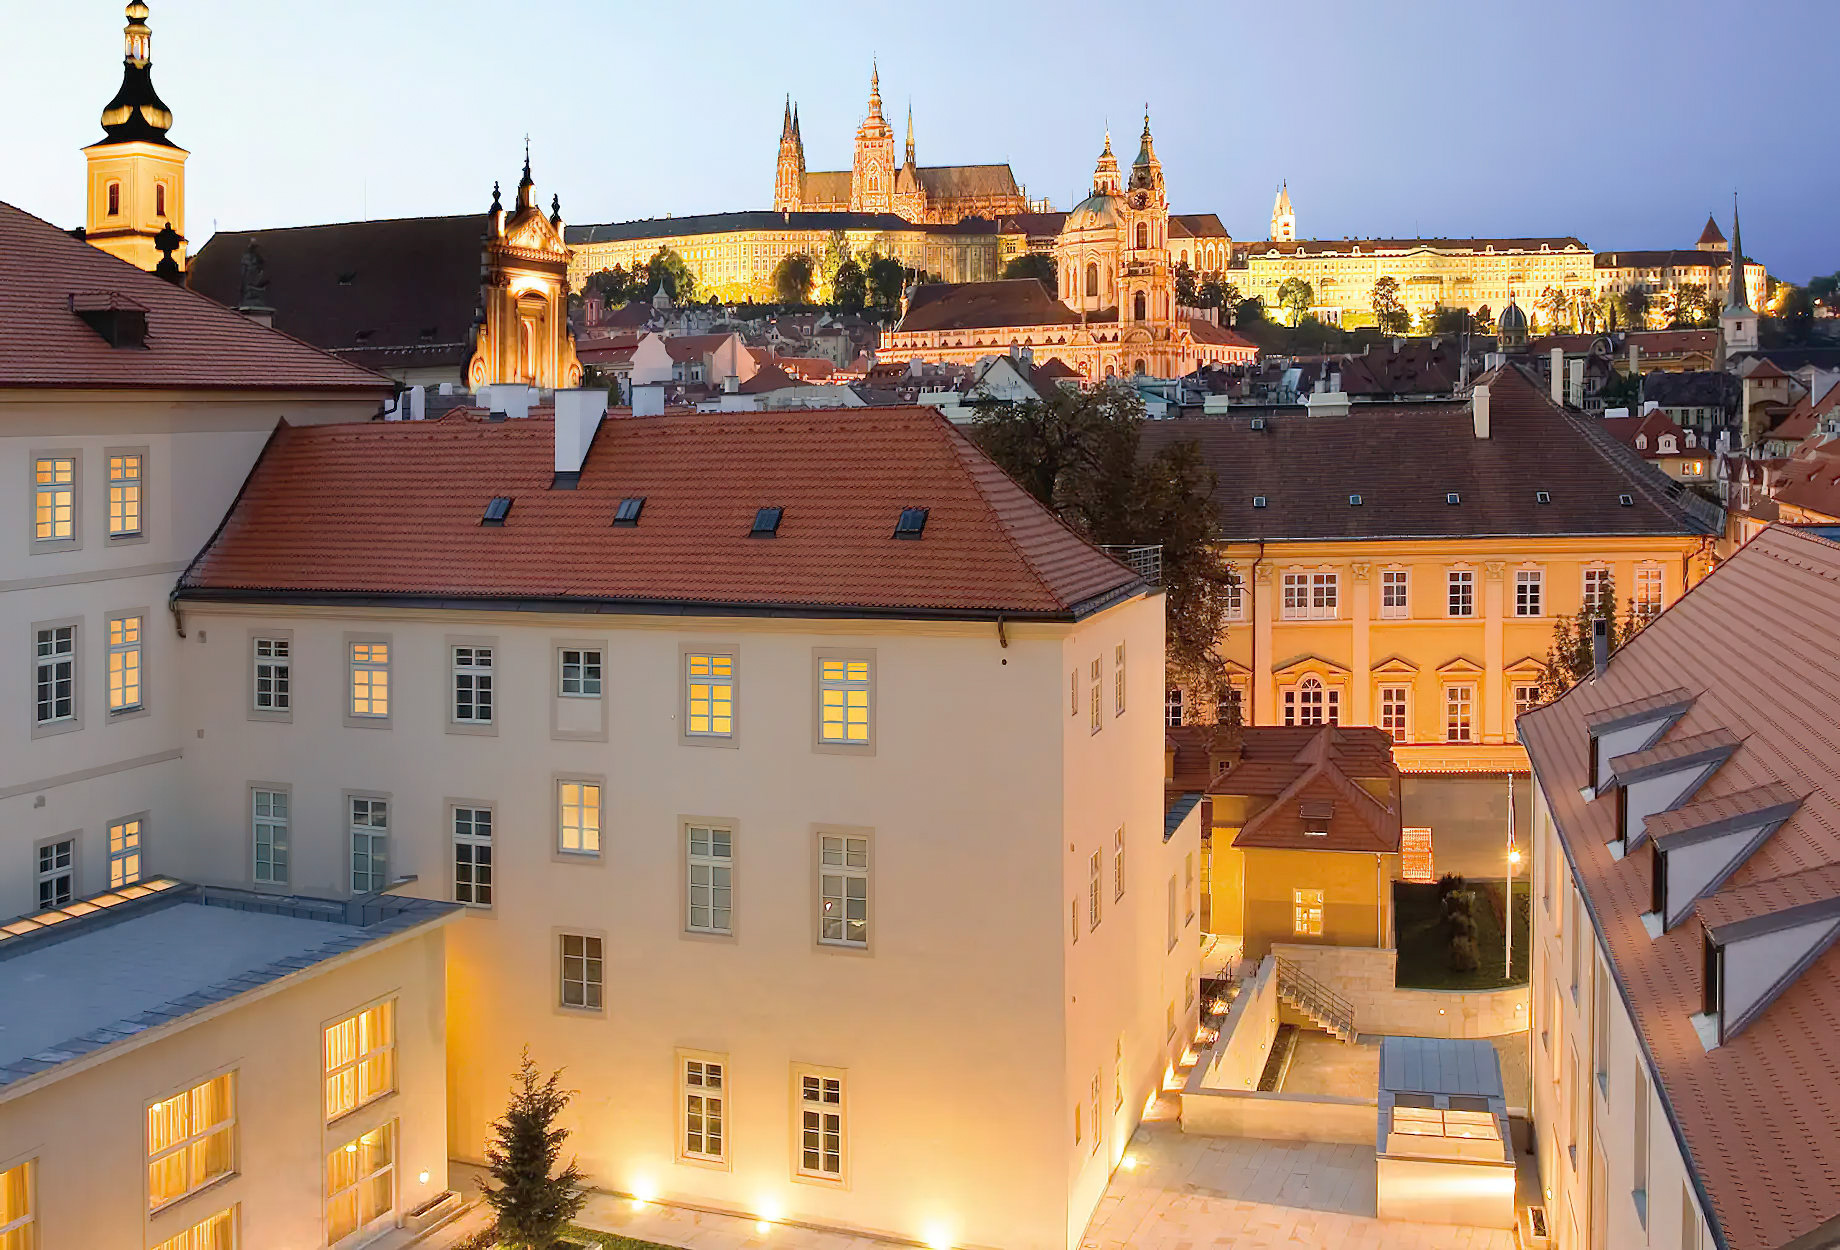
pixel 1393 593
pixel 473 856
pixel 1309 702
pixel 1529 592
pixel 124 852
pixel 273 690
pixel 705 1110
pixel 1172 706
pixel 159 199
pixel 1118 863
pixel 843 880
pixel 473 685
pixel 711 876
pixel 843 699
pixel 1459 711
pixel 190 1140
pixel 1094 880
pixel 1394 704
pixel 57 872
pixel 1462 593
pixel 55 675
pixel 214 1232
pixel 581 673
pixel 581 971
pixel 54 499
pixel 370 845
pixel 269 816
pixel 1310 596
pixel 579 825
pixel 360 1059
pixel 1173 929
pixel 18 1226
pixel 1600 591
pixel 821 1126
pixel 361 1184
pixel 1118 680
pixel 1526 698
pixel 370 679
pixel 124 496
pixel 1648 591
pixel 124 663
pixel 1307 913
pixel 1096 718
pixel 711 678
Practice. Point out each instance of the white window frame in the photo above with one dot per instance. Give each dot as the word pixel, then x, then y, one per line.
pixel 363 1184
pixel 822 1122
pixel 1529 592
pixel 715 704
pixel 1172 707
pixel 272 659
pixel 1188 888
pixel 1118 864
pixel 1460 696
pixel 472 670
pixel 1296 705
pixel 581 672
pixel 276 826
pixel 343 1092
pixel 124 843
pixel 194 1136
pixel 1235 596
pixel 702 1085
pixel 54 648
pixel 54 860
pixel 1650 589
pixel 836 851
pixel 575 836
pixel 1395 594
pixel 126 669
pixel 1312 595
pixel 365 831
pixel 714 894
pixel 1460 593
pixel 1118 680
pixel 55 500
pixel 368 679
pixel 1395 704
pixel 472 824
pixel 1095 702
pixel 840 678
pixel 127 470
pixel 1604 576
pixel 1095 880
pixel 590 966
pixel 1521 708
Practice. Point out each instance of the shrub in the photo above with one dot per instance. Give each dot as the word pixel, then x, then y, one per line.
pixel 1448 882
pixel 1464 957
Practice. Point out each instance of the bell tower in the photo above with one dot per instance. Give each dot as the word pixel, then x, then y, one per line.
pixel 1283 217
pixel 789 180
pixel 136 174
pixel 1146 280
pixel 872 175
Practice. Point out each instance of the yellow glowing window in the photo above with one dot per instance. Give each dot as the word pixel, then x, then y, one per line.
pixel 370 679
pixel 124 496
pixel 579 830
pixel 190 1140
pixel 54 499
pixel 843 694
pixel 360 1059
pixel 1307 913
pixel 217 1232
pixel 360 1183
pixel 17 1229
pixel 124 663
pixel 712 694
pixel 124 852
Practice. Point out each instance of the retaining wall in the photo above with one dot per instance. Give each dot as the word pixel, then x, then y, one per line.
pixel 1364 975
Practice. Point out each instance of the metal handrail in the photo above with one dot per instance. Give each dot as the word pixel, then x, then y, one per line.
pixel 1313 996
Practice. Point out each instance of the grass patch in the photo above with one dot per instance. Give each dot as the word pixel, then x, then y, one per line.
pixel 1424 943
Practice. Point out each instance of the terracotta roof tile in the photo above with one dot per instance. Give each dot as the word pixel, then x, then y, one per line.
pixel 984 305
pixel 1314 777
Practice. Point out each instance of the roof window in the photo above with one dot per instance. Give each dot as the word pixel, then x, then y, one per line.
pixel 1354 501
pixel 766 523
pixel 1628 501
pixel 1453 498
pixel 911 523
pixel 119 320
pixel 1258 501
pixel 497 508
pixel 1540 496
pixel 628 511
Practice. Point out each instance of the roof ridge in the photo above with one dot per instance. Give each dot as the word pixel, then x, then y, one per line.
pixel 969 454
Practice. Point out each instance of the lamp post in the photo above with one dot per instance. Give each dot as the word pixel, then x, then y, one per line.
pixel 1507 911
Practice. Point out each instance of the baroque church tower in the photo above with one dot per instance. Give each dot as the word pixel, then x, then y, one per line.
pixel 872 175
pixel 523 334
pixel 789 180
pixel 1146 280
pixel 136 174
pixel 1283 217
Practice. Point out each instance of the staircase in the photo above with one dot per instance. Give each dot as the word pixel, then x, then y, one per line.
pixel 1331 1012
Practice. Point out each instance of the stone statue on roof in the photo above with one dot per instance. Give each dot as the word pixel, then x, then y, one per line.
pixel 255 279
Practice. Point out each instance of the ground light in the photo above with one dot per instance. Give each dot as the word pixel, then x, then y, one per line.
pixel 938 1237
pixel 642 1194
pixel 1128 1163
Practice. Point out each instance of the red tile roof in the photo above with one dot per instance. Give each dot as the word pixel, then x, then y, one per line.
pixel 1810 479
pixel 1207 332
pixel 391 512
pixel 985 305
pixel 1314 776
pixel 192 343
pixel 1759 1114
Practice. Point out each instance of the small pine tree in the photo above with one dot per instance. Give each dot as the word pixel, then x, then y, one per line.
pixel 1570 659
pixel 533 1206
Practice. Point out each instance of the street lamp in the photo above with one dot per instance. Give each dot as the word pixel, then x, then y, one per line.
pixel 1507 928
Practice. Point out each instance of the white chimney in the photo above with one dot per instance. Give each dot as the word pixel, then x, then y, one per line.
pixel 1575 383
pixel 1479 408
pixel 1326 403
pixel 578 415
pixel 648 399
pixel 1635 359
pixel 731 384
pixel 1556 375
pixel 418 403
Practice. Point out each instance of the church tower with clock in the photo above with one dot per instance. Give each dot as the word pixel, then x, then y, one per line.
pixel 1146 278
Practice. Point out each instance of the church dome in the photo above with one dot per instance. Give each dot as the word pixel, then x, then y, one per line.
pixel 1512 319
pixel 1096 212
pixel 137 114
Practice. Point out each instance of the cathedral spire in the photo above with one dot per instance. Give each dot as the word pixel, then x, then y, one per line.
pixel 910 132
pixel 1737 299
pixel 875 90
pixel 785 127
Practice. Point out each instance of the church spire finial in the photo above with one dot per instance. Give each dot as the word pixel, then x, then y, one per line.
pixel 910 132
pixel 137 39
pixel 1737 299
pixel 785 126
pixel 526 184
pixel 875 89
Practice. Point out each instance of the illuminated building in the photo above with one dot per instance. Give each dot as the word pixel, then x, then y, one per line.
pixel 136 178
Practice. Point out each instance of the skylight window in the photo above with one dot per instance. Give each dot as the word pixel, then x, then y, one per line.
pixel 911 524
pixel 1628 501
pixel 1540 496
pixel 497 508
pixel 628 511
pixel 1453 498
pixel 1258 501
pixel 1354 501
pixel 766 523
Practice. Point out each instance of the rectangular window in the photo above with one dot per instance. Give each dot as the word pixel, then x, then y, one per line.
pixel 1309 702
pixel 1648 591
pixel 1188 888
pixel 124 852
pixel 360 1059
pixel 214 1232
pixel 581 971
pixel 843 701
pixel 1526 698
pixel 1118 680
pixel 472 685
pixel 1172 706
pixel 1638 1153
pixel 843 887
pixel 1230 706
pixel 1118 864
pixel 360 1183
pixel 1600 590
pixel 1073 692
pixel 1188 989
pixel 705 1110
pixel 273 690
pixel 473 856
pixel 1096 715
pixel 1529 592
pixel 1393 592
pixel 581 673
pixel 1307 913
pixel 578 826
pixel 55 673
pixel 1235 597
pixel 124 495
pixel 1095 877
pixel 1098 1123
pixel 57 872
pixel 1310 596
pixel 1689 1219
pixel 18 1226
pixel 1395 702
pixel 1459 713
pixel 124 663
pixel 269 831
pixel 1173 929
pixel 54 499
pixel 1118 1074
pixel 1462 597
pixel 191 1140
pixel 370 845
pixel 1073 919
pixel 370 679
pixel 821 1126
pixel 710 872
pixel 711 694
pixel 1600 1030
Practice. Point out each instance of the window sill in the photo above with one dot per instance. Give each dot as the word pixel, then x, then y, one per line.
pixel 280 716
pixel 181 1199
pixel 844 948
pixel 355 721
pixel 127 713
pixel 473 729
pixel 126 540
pixel 51 729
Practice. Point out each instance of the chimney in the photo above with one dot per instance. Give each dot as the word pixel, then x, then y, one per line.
pixel 1635 359
pixel 578 415
pixel 1556 375
pixel 1327 404
pixel 1479 408
pixel 1600 645
pixel 648 399
pixel 511 398
pixel 1575 384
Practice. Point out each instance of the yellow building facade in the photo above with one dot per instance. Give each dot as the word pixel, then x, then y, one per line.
pixel 135 184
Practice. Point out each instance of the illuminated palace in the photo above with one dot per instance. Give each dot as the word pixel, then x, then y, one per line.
pixel 1116 308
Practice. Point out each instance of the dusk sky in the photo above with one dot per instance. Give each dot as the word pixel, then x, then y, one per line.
pixel 1620 121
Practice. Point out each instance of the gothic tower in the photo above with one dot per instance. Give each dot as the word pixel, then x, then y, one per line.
pixel 789 181
pixel 872 175
pixel 136 174
pixel 1737 321
pixel 1283 219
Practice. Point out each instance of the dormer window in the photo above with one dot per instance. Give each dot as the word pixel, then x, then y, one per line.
pixel 1663 777
pixel 1630 727
pixel 1697 847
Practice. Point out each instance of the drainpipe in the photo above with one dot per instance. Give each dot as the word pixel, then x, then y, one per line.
pixel 1250 713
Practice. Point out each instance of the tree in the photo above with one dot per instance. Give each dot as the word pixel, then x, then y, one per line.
pixel 885 278
pixel 668 270
pixel 1037 265
pixel 1556 304
pixel 533 1206
pixel 1632 308
pixel 836 252
pixel 1823 287
pixel 1571 658
pixel 792 279
pixel 1622 390
pixel 1079 454
pixel 1216 293
pixel 1483 320
pixel 1295 297
pixel 1188 288
pixel 1592 310
pixel 1389 310
pixel 1441 320
pixel 1795 307
pixel 1250 311
pixel 849 289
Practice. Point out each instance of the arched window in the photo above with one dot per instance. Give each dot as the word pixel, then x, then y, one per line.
pixel 114 199
pixel 159 199
pixel 1139 369
pixel 1092 279
pixel 1309 702
pixel 1137 309
pixel 1143 235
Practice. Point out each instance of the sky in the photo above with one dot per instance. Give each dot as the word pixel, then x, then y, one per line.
pixel 1623 122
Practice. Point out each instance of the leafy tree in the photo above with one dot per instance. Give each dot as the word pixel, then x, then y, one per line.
pixel 1556 304
pixel 849 289
pixel 1295 296
pixel 1622 390
pixel 1824 287
pixel 1188 288
pixel 1483 320
pixel 792 279
pixel 1036 265
pixel 1079 454
pixel 885 277
pixel 1592 310
pixel 1795 308
pixel 836 252
pixel 1250 311
pixel 1631 307
pixel 533 1206
pixel 1217 293
pixel 1693 306
pixel 615 285
pixel 1441 320
pixel 1389 310
pixel 668 270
